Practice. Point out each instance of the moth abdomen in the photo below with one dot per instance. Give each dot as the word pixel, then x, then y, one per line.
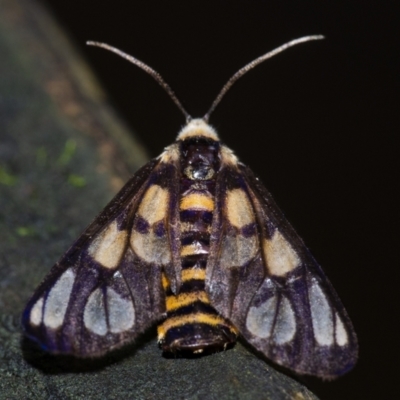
pixel 192 324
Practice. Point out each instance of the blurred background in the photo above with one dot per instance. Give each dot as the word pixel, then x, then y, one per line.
pixel 317 123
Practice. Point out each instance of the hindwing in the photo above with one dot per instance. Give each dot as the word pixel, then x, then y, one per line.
pixel 262 277
pixel 107 288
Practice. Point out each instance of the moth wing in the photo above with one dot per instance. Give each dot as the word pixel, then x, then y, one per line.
pixel 234 268
pixel 277 295
pixel 107 288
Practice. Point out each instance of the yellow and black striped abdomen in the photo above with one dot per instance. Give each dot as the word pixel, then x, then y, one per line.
pixel 192 324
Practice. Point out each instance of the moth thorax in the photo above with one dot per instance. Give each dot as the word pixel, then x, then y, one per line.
pixel 197 127
pixel 200 159
pixel 199 172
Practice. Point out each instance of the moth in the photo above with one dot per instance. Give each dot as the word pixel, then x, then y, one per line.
pixel 195 243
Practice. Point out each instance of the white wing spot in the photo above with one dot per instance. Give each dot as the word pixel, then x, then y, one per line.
pixel 279 255
pixel 94 316
pixel 151 248
pixel 58 299
pixel 154 204
pixel 37 312
pixel 285 325
pixel 108 247
pixel 237 250
pixel 340 332
pixel 121 314
pixel 321 314
pixel 238 208
pixel 260 319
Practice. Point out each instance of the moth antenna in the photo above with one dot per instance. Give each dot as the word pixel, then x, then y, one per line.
pixel 154 74
pixel 253 64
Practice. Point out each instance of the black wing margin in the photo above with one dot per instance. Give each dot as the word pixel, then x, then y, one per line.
pixel 277 295
pixel 107 288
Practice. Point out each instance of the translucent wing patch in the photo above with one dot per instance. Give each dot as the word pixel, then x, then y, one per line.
pixel 234 268
pixel 106 290
pixel 277 295
pixel 149 237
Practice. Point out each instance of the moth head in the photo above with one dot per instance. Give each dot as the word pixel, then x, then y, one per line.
pixel 197 127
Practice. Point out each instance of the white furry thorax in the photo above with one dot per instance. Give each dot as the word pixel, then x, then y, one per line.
pixel 197 127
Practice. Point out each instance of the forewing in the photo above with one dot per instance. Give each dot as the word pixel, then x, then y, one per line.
pixel 234 268
pixel 280 299
pixel 107 288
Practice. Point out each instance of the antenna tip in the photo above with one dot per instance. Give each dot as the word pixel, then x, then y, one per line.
pixel 306 39
pixel 311 37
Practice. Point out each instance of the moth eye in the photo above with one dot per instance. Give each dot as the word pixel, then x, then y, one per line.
pixel 199 172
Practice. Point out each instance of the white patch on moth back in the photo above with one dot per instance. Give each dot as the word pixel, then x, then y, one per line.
pixel 237 250
pixel 37 312
pixel 154 204
pixel 238 208
pixel 227 156
pixel 340 331
pixel 260 319
pixel 285 324
pixel 121 314
pixel 197 127
pixel 108 247
pixel 170 154
pixel 279 255
pixel 321 314
pixel 58 299
pixel 94 315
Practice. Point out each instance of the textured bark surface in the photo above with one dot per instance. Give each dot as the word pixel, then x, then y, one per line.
pixel 63 155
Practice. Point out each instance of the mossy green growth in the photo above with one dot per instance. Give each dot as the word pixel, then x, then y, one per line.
pixel 6 178
pixel 76 180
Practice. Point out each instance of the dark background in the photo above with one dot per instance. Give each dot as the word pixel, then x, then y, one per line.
pixel 317 124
